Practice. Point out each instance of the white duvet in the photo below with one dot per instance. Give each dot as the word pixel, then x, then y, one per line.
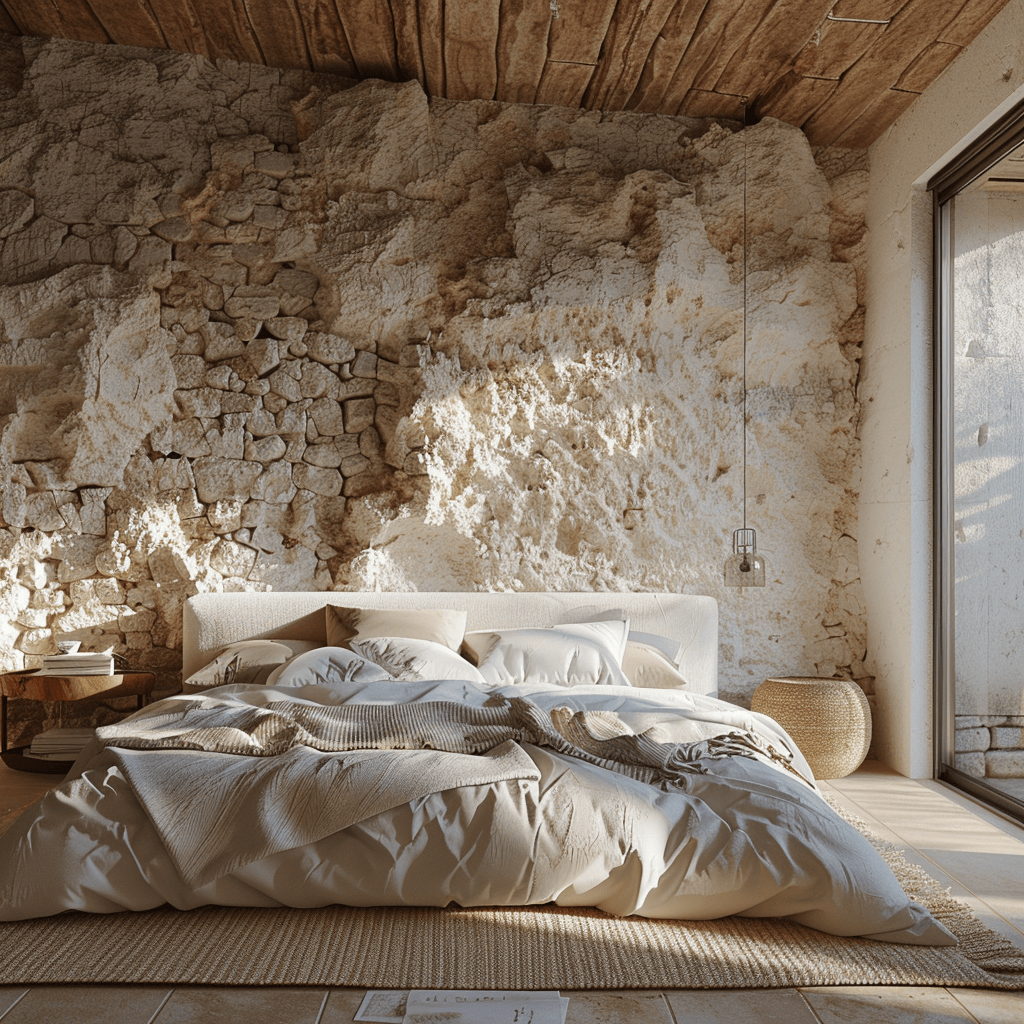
pixel 740 834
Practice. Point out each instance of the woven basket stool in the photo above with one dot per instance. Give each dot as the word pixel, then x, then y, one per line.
pixel 829 719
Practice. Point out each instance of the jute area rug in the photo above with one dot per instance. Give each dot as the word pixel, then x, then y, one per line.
pixel 504 948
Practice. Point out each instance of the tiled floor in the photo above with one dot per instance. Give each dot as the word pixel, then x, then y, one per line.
pixel 978 854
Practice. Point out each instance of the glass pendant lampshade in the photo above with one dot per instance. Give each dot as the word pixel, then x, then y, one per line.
pixel 744 567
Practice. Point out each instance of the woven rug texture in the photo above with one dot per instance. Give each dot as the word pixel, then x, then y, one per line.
pixel 501 948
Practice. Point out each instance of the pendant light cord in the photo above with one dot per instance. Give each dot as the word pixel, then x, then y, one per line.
pixel 744 322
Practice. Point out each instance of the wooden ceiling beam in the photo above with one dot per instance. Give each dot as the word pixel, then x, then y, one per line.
pixel 971 19
pixel 226 28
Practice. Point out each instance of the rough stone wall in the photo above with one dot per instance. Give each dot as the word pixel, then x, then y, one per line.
pixel 265 329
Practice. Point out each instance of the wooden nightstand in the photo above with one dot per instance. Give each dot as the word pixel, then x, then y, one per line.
pixel 33 685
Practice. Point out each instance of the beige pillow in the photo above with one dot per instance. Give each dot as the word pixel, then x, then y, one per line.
pixel 439 625
pixel 645 665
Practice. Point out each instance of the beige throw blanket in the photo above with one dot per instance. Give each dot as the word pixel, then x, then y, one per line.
pixel 308 771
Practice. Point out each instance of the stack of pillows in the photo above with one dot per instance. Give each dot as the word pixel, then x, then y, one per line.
pixel 416 644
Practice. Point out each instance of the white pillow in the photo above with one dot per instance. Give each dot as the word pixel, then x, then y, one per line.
pixel 327 665
pixel 408 659
pixel 441 625
pixel 671 649
pixel 247 661
pixel 572 654
pixel 645 665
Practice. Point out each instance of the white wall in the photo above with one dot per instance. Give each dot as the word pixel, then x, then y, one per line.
pixel 895 388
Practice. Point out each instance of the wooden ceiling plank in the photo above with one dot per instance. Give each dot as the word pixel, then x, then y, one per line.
pixel 128 22
pixel 180 26
pixel 66 20
pixel 706 103
pixel 470 49
pixel 881 10
pixel 793 98
pixel 431 23
pixel 719 19
pixel 522 47
pixel 627 46
pixel 328 48
pixel 578 33
pixel 835 48
pixel 971 19
pixel 35 18
pixel 227 31
pixel 279 34
pixel 370 30
pixel 564 83
pixel 731 34
pixel 772 46
pixel 407 43
pixel 927 66
pixel 7 23
pixel 873 121
pixel 665 55
pixel 911 30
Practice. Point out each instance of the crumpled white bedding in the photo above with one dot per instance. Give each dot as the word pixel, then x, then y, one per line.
pixel 747 837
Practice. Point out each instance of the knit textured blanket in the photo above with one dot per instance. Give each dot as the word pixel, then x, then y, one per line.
pixel 226 783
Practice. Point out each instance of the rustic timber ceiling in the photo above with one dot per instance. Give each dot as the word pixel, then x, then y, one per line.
pixel 843 70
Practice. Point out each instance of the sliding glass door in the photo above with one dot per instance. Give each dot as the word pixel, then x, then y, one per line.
pixel 979 518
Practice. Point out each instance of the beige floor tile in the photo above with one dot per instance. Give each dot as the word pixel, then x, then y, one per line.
pixel 341 1005
pixel 88 1004
pixel 9 995
pixel 226 1004
pixel 763 1006
pixel 990 1007
pixel 886 1005
pixel 622 1007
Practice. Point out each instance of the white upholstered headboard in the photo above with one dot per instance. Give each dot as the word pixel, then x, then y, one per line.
pixel 213 620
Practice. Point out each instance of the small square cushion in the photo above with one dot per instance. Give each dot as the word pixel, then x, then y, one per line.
pixel 645 665
pixel 248 661
pixel 571 654
pixel 411 659
pixel 439 625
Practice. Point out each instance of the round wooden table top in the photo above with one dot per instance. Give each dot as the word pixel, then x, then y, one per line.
pixel 35 685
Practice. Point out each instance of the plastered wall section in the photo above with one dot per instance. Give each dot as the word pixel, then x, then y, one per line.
pixel 896 388
pixel 268 330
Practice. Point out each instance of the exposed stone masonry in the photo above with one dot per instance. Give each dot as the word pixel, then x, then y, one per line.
pixel 264 329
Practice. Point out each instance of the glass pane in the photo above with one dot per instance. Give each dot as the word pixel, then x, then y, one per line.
pixel 988 475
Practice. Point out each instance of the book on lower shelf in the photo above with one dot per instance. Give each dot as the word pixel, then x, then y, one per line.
pixel 59 744
pixel 84 663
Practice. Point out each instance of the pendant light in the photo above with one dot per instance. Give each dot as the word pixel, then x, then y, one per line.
pixel 744 567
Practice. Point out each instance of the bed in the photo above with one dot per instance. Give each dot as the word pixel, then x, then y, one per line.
pixel 421 749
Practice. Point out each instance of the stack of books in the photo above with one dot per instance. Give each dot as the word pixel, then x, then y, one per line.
pixel 59 744
pixel 84 663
